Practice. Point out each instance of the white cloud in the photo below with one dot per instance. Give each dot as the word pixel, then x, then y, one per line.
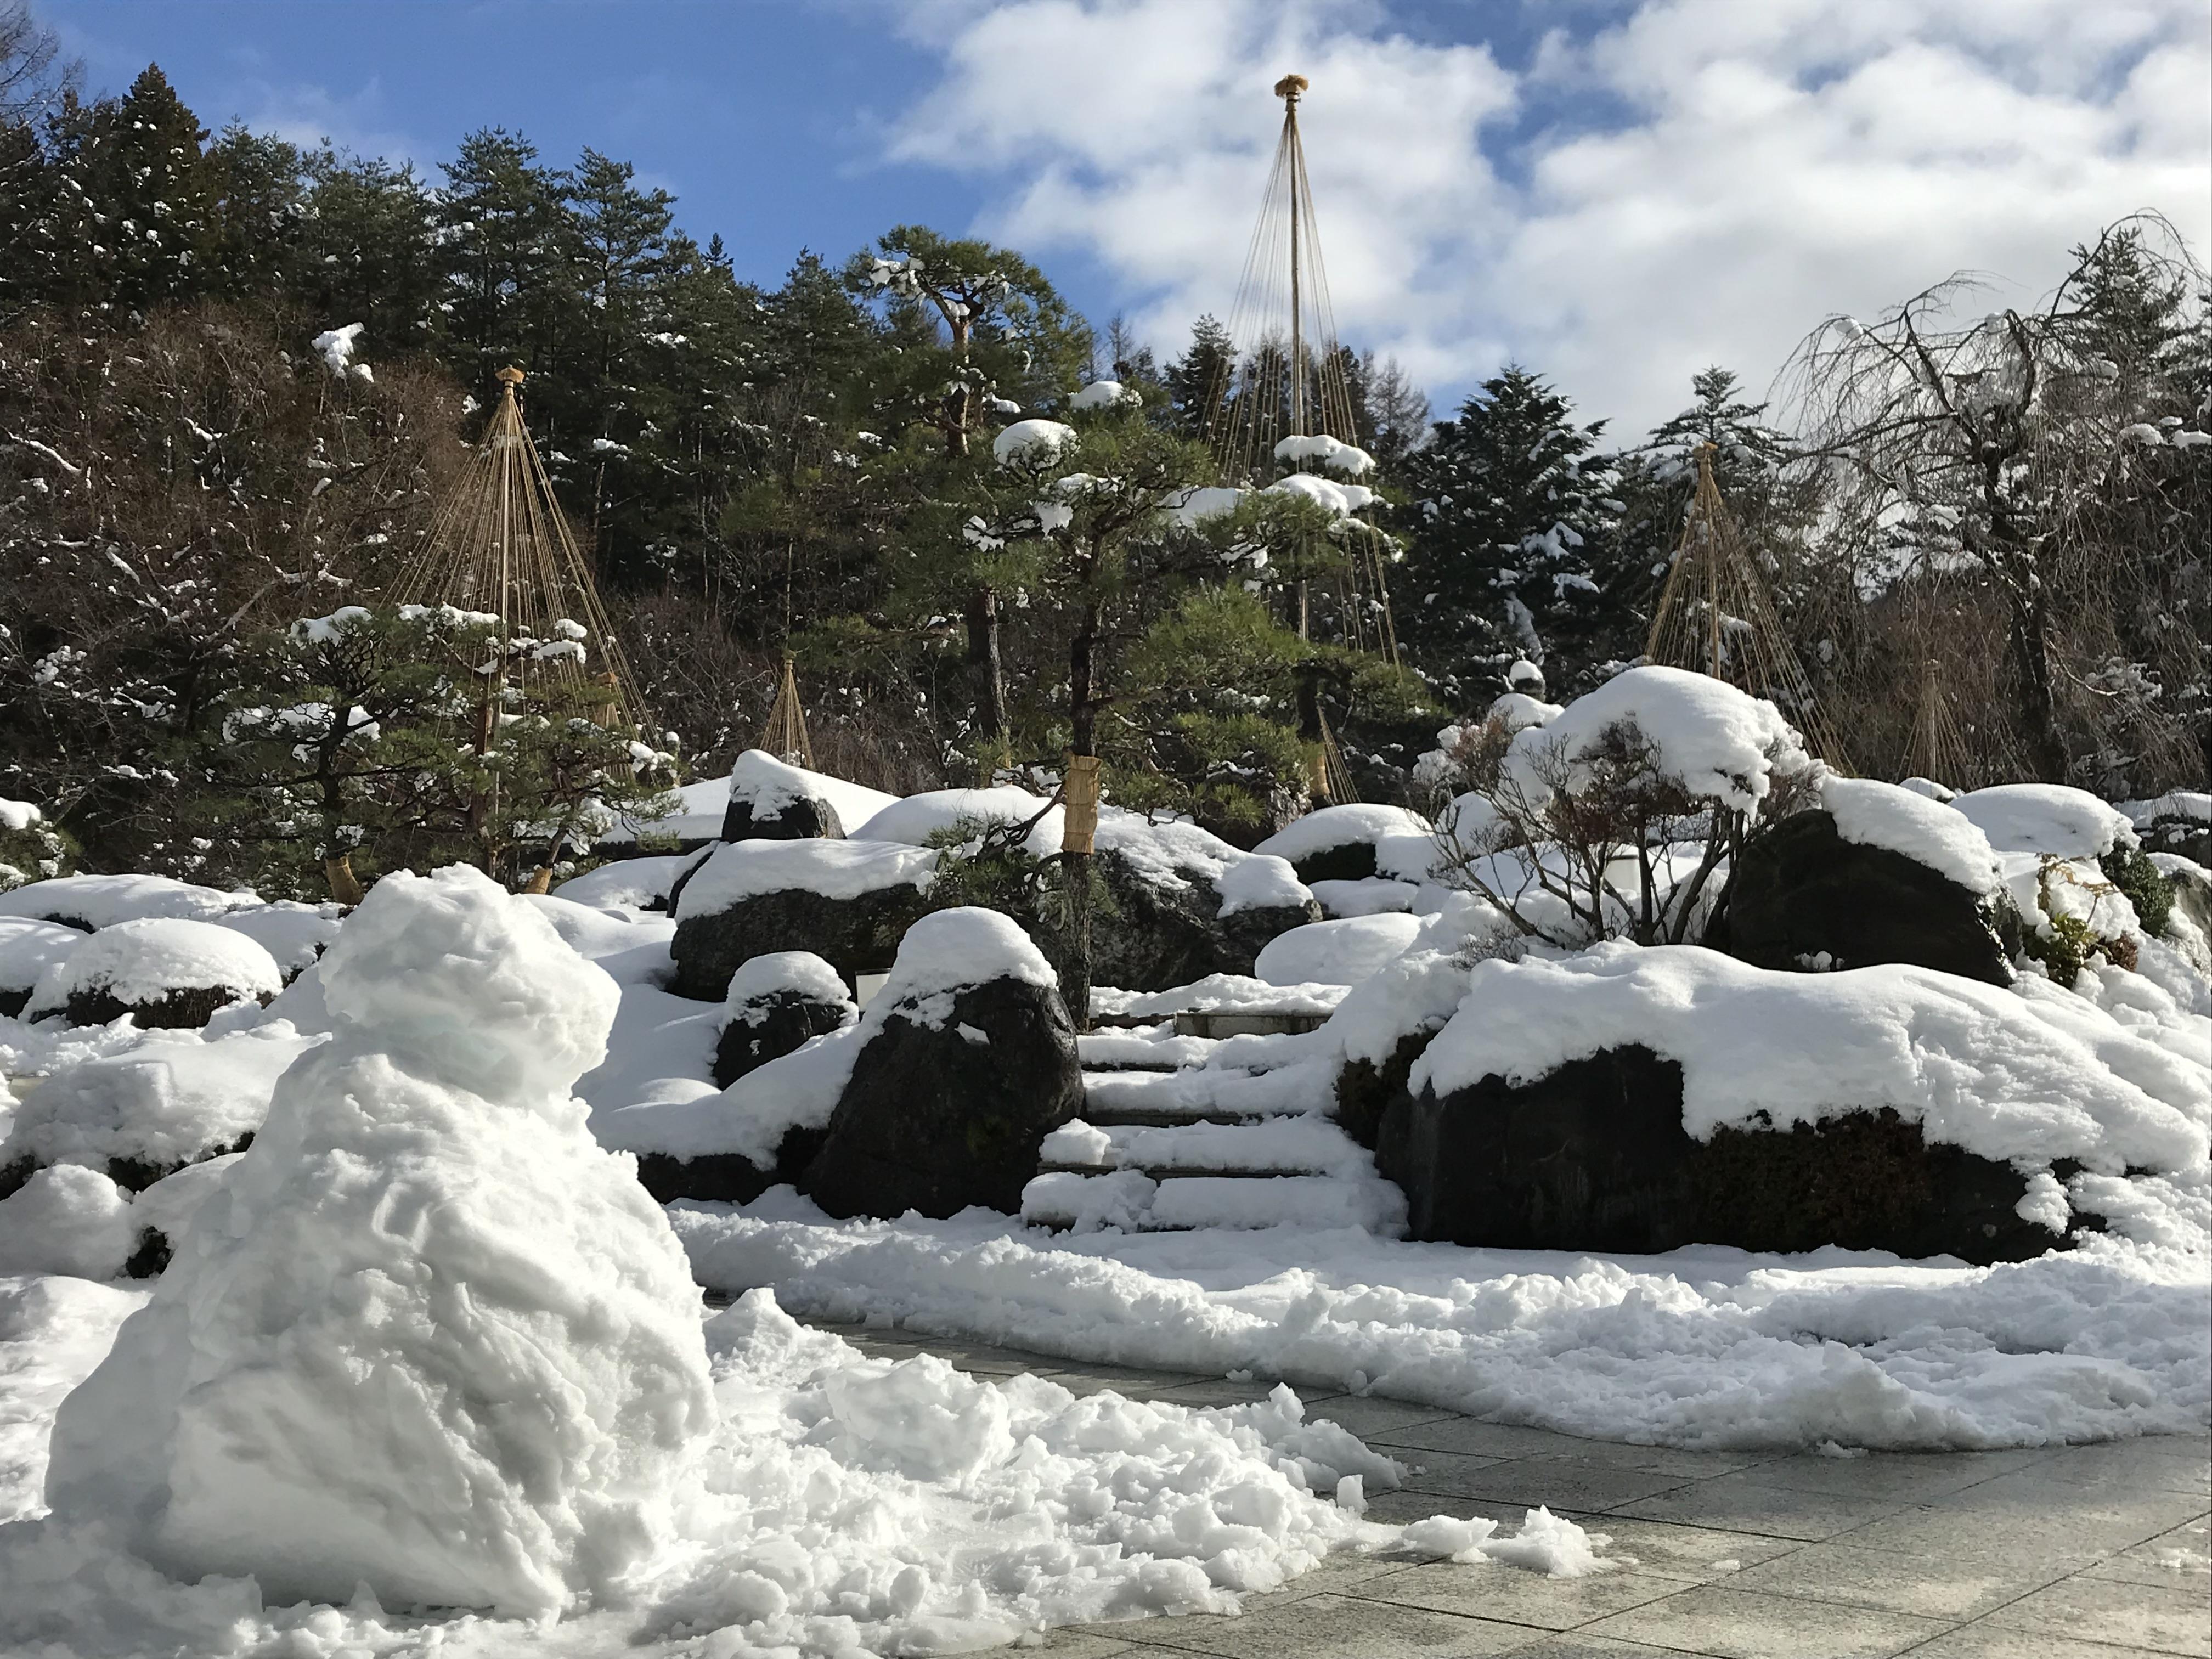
pixel 1698 182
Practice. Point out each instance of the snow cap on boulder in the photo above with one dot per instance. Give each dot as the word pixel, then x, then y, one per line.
pixel 425 1335
pixel 165 970
pixel 2046 817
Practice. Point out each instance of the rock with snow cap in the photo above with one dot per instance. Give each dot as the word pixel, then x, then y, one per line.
pixel 774 1003
pixel 966 1061
pixel 770 801
pixel 848 902
pixel 1337 843
pixel 163 972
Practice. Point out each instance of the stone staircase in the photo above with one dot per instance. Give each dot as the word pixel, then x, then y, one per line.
pixel 1182 1132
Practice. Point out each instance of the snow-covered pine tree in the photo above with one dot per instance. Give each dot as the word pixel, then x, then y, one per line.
pixel 1512 526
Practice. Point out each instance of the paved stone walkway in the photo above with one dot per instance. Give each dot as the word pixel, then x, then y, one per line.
pixel 2083 1552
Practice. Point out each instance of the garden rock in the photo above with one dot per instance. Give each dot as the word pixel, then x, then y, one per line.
pixel 163 972
pixel 770 801
pixel 775 1003
pixel 1801 897
pixel 848 902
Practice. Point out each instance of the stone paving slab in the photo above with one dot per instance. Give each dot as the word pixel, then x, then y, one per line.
pixel 2069 1552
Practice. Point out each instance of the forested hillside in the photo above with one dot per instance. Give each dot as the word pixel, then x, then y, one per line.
pixel 1987 535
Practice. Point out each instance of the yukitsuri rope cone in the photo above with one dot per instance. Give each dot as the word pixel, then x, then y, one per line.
pixel 1716 617
pixel 500 546
pixel 786 735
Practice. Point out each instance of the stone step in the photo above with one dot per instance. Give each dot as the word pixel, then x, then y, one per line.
pixel 1303 1145
pixel 1137 1202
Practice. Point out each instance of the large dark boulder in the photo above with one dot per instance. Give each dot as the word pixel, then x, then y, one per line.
pixel 1802 896
pixel 847 901
pixel 727 1177
pixel 955 1088
pixel 1593 1157
pixel 1157 931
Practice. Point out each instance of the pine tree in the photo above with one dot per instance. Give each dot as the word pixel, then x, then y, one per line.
pixel 1199 380
pixel 511 254
pixel 1512 525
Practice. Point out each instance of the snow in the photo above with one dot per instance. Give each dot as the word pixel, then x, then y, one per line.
pixel 292 932
pixel 1370 896
pixel 1203 502
pixel 639 883
pixel 426 1336
pixel 781 972
pixel 2188 806
pixel 948 952
pixel 700 805
pixel 167 1097
pixel 1168 854
pixel 67 1220
pixel 797 1091
pixel 1341 499
pixel 1341 953
pixel 770 785
pixel 1032 442
pixel 1342 826
pixel 917 817
pixel 28 948
pixel 103 900
pixel 336 346
pixel 1975 1066
pixel 833 869
pixel 141 962
pixel 1713 740
pixel 1873 814
pixel 18 815
pixel 1706 1348
pixel 1217 993
pixel 2046 818
pixel 1326 452
pixel 1102 394
pixel 1930 788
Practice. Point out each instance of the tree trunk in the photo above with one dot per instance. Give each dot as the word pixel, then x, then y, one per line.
pixel 2030 639
pixel 541 880
pixel 986 675
pixel 345 886
pixel 1083 720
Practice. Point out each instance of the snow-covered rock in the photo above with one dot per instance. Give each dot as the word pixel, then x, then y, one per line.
pixel 91 901
pixel 1874 814
pixel 915 819
pixel 846 901
pixel 1337 843
pixel 28 948
pixel 292 932
pixel 2046 818
pixel 162 971
pixel 770 800
pixel 776 1002
pixel 426 1336
pixel 1342 953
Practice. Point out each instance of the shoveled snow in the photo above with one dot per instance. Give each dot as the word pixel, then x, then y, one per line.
pixel 2046 818
pixel 426 1336
pixel 1874 814
pixel 143 962
pixel 833 869
pixel 1341 953
pixel 1975 1066
pixel 1712 738
pixel 1343 826
pixel 916 818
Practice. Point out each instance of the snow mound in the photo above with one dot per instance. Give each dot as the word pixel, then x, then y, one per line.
pixel 1341 953
pixel 640 883
pixel 168 1099
pixel 701 805
pixel 425 1336
pixel 29 948
pixel 2007 1078
pixel 67 1220
pixel 2046 818
pixel 1168 854
pixel 293 933
pixel 103 900
pixel 916 818
pixel 1341 826
pixel 1032 441
pixel 140 963
pixel 833 869
pixel 1713 740
pixel 781 972
pixel 1873 814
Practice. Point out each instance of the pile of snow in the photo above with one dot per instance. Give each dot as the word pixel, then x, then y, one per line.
pixel 1712 739
pixel 426 1336
pixel 1341 952
pixel 914 820
pixel 1327 452
pixel 292 932
pixel 1342 826
pixel 833 869
pixel 1873 814
pixel 336 347
pixel 103 900
pixel 67 1220
pixel 140 963
pixel 1168 854
pixel 2026 1080
pixel 167 1098
pixel 1103 394
pixel 1032 443
pixel 2046 818
pixel 28 949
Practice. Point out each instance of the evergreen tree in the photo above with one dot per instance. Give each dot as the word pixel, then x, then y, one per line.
pixel 1512 526
pixel 511 258
pixel 1199 381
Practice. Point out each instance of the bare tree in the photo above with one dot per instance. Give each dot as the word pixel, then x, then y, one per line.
pixel 33 72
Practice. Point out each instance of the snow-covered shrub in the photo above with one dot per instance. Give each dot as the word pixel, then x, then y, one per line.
pixel 162 971
pixel 1616 816
pixel 426 1335
pixel 30 848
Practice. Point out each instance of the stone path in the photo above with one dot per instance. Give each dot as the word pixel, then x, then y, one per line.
pixel 2081 1552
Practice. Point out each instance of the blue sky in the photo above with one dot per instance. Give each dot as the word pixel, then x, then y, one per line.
pixel 1615 192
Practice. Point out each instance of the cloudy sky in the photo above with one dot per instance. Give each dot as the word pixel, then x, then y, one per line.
pixel 1614 192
